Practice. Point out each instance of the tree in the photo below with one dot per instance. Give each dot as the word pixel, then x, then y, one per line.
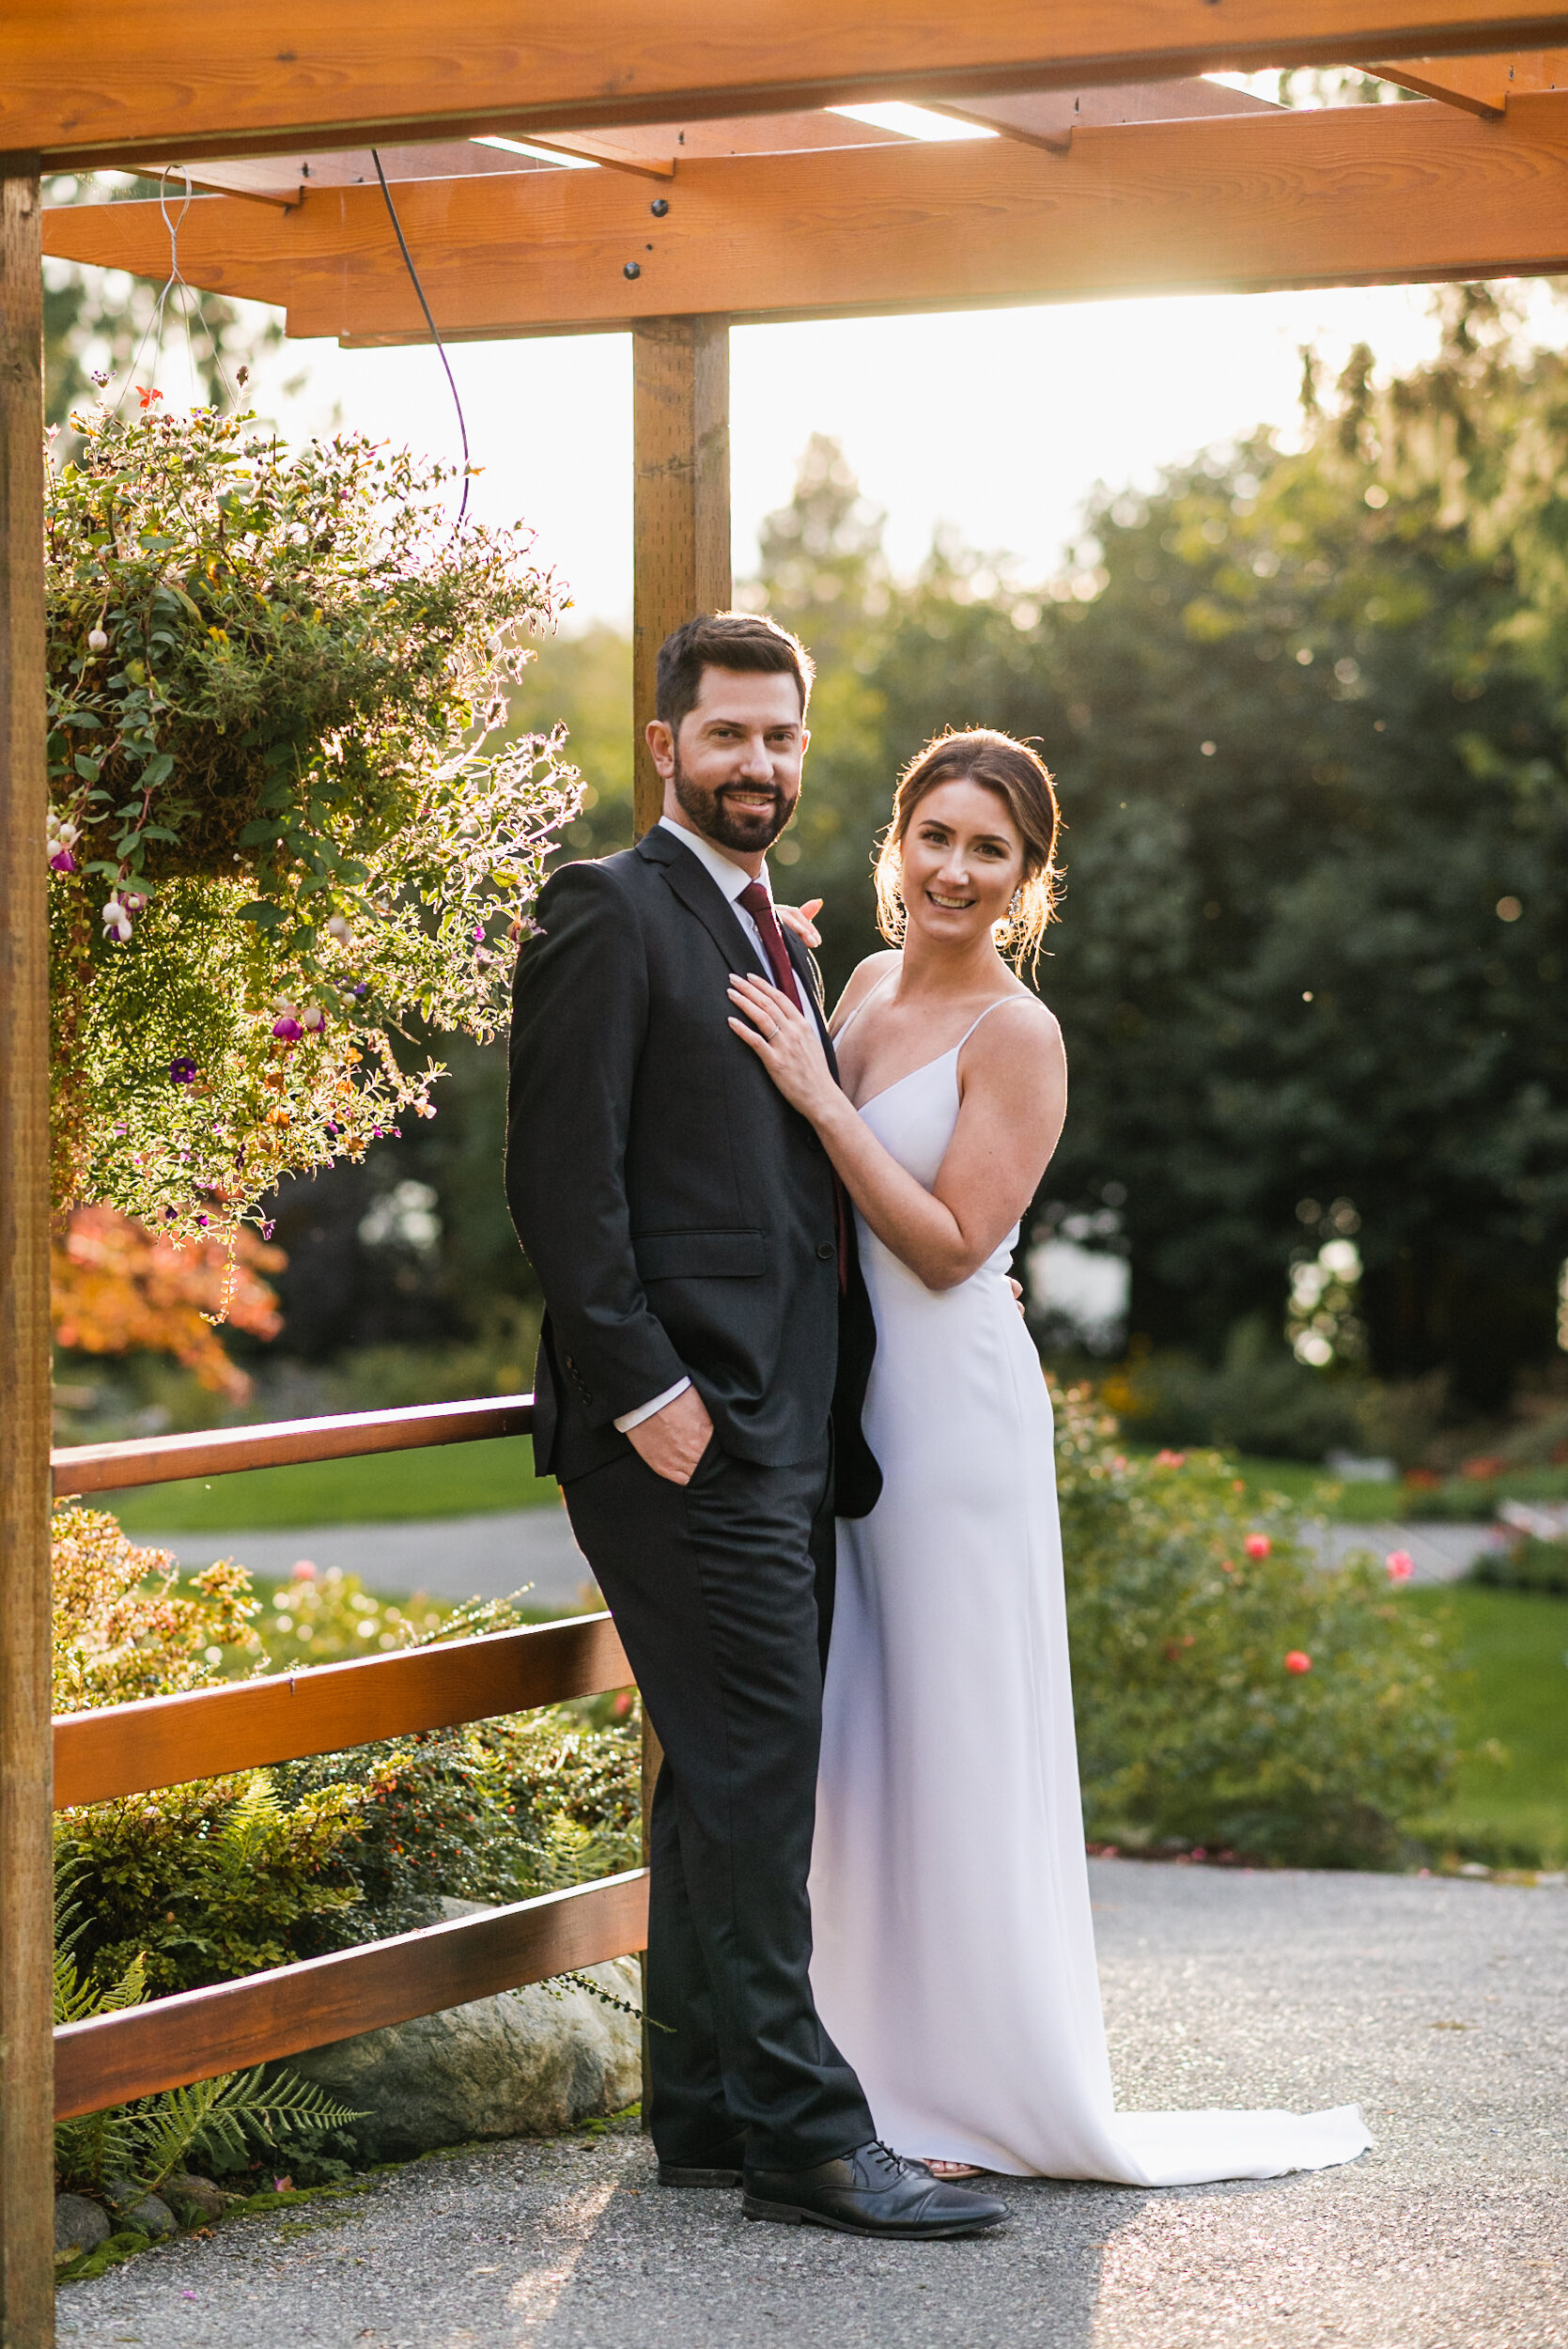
pixel 118 1289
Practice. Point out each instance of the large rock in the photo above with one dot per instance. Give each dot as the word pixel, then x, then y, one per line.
pixel 528 2063
pixel 79 2225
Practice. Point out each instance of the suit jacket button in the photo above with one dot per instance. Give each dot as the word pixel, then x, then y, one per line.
pixel 826 1251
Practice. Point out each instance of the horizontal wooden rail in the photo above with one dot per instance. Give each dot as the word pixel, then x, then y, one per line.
pixel 167 1741
pixel 93 1467
pixel 199 2033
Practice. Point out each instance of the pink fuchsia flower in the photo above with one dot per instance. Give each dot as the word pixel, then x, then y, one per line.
pixel 285 1027
pixel 1400 1565
pixel 312 1020
pixel 1257 1545
pixel 116 917
pixel 1297 1661
pixel 1170 1459
pixel 62 862
pixel 96 640
pixel 304 1570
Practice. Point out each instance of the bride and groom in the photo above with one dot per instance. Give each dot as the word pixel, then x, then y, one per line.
pixel 805 1445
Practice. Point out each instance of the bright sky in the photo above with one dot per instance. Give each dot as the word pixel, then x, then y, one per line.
pixel 999 423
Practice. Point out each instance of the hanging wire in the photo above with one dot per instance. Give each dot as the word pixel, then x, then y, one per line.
pixel 440 347
pixel 188 294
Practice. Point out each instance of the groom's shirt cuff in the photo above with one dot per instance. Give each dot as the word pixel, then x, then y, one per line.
pixel 629 1420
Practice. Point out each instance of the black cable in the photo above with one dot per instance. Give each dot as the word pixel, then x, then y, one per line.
pixel 440 347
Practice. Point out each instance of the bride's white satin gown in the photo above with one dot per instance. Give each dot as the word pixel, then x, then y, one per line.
pixel 955 1955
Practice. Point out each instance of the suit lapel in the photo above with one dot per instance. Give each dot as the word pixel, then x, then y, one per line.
pixel 701 894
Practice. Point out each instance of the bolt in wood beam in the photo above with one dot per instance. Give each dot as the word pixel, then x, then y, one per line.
pixel 26 1902
pixel 680 373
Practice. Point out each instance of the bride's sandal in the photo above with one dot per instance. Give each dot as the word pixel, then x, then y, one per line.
pixel 953 2168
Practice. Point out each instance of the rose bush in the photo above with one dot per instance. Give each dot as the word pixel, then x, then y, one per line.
pixel 1229 1693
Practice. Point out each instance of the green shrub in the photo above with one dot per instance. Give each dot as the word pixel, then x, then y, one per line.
pixel 209 1881
pixel 1259 1400
pixel 1184 1606
pixel 1526 1565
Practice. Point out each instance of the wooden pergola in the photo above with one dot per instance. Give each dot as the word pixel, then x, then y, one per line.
pixel 722 187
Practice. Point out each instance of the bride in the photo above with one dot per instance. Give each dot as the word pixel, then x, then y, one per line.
pixel 954 1957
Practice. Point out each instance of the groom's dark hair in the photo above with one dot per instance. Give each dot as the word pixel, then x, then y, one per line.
pixel 725 640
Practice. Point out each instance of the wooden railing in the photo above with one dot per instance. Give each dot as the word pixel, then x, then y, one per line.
pixel 167 1741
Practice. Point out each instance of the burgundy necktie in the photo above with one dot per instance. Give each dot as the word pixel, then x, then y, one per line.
pixel 759 904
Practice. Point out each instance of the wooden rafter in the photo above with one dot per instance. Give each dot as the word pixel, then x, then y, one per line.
pixel 1482 85
pixel 178 79
pixel 1050 118
pixel 1360 195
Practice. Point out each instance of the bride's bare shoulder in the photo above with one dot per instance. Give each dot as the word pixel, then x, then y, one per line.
pixel 864 977
pixel 1026 1032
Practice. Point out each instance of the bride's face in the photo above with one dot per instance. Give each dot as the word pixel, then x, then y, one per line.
pixel 962 858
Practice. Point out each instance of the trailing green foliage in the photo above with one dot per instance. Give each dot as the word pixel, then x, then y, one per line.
pixel 1228 1693
pixel 271 684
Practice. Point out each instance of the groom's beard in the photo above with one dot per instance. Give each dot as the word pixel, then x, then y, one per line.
pixel 714 813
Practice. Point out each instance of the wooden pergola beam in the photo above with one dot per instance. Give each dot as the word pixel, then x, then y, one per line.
pixel 178 79
pixel 1359 196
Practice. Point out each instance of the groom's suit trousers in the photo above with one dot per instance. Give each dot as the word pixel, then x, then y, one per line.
pixel 722 1590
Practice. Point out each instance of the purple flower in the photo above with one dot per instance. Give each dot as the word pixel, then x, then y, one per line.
pixel 288 1031
pixel 201 1219
pixel 62 862
pixel 182 1071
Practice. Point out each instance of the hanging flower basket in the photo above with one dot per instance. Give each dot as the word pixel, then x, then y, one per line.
pixel 276 834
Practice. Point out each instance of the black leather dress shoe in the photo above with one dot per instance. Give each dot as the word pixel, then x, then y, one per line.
pixel 870 2191
pixel 722 2167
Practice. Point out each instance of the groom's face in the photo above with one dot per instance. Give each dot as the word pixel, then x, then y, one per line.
pixel 733 768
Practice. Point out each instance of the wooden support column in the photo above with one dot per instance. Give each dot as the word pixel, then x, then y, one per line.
pixel 680 373
pixel 26 2054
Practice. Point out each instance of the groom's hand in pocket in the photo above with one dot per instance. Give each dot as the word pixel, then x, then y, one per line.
pixel 673 1442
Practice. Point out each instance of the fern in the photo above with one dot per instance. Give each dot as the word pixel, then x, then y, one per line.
pixel 148 2140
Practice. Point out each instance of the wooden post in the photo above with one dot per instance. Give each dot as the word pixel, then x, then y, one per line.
pixel 680 373
pixel 680 537
pixel 26 2053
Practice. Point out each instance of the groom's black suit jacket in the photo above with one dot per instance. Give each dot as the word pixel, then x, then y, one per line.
pixel 679 1214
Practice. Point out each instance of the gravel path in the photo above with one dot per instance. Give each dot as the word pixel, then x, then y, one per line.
pixel 1438 2006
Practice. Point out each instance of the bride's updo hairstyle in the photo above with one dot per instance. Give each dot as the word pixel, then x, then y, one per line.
pixel 999 763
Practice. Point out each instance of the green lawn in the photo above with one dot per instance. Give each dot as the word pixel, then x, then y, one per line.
pixel 1509 1807
pixel 443 1480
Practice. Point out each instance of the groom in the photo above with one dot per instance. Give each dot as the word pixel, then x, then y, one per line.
pixel 704 1357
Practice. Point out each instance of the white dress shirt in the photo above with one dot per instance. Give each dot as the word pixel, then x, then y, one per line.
pixel 732 878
